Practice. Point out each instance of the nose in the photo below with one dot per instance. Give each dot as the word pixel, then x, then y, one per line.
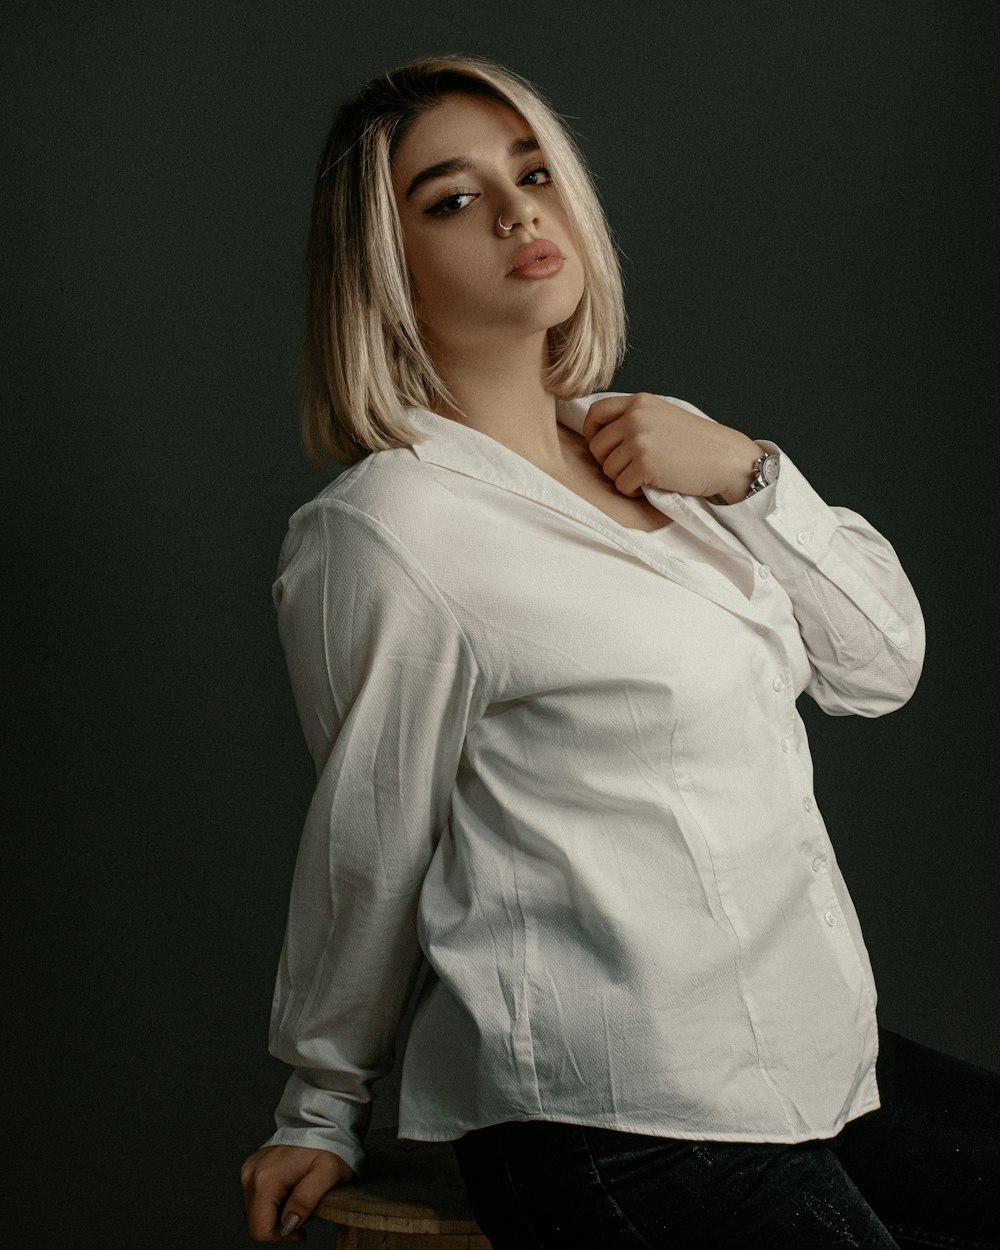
pixel 518 210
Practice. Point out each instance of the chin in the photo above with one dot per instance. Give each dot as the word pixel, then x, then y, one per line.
pixel 553 307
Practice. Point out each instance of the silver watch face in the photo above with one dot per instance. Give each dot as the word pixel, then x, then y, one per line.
pixel 770 468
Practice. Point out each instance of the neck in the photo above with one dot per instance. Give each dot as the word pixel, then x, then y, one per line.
pixel 502 394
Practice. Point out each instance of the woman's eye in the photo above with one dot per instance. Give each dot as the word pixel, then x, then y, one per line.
pixel 450 204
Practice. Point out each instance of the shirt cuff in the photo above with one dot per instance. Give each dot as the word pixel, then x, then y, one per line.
pixel 322 1139
pixel 783 524
pixel 321 1119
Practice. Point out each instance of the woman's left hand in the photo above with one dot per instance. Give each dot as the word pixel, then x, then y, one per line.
pixel 642 440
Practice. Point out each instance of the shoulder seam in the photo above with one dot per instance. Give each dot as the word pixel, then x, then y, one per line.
pixel 409 559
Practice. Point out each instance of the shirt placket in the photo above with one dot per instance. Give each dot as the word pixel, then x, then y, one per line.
pixel 816 875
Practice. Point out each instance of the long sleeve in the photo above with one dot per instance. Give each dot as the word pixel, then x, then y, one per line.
pixel 857 613
pixel 384 682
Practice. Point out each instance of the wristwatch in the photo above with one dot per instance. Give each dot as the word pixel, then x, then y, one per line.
pixel 765 471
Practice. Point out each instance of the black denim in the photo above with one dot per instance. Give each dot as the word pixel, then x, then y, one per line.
pixel 922 1170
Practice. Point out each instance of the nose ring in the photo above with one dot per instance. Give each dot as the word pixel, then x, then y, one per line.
pixel 501 225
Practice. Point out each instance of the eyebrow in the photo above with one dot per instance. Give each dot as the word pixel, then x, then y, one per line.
pixel 457 164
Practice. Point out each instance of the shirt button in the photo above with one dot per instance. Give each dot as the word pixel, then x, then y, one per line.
pixel 764 571
pixel 830 917
pixel 786 745
pixel 778 684
pixel 761 629
pixel 807 803
pixel 802 536
pixel 817 862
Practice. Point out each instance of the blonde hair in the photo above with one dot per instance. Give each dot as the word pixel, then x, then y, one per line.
pixel 363 360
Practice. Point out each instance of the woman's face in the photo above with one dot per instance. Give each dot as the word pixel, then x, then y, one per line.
pixel 458 257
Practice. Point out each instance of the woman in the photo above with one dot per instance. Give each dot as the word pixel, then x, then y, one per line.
pixel 545 646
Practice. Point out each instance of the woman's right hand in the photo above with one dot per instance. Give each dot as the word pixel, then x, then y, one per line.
pixel 300 1174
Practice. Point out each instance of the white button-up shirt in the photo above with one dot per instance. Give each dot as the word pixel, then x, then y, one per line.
pixel 560 758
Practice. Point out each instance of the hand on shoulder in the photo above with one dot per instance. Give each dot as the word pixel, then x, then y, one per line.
pixel 644 440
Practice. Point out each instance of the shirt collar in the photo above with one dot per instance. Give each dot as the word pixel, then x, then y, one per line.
pixel 466 450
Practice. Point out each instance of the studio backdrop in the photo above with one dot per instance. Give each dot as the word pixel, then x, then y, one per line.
pixel 803 196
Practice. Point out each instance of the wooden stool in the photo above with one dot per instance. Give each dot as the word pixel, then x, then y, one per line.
pixel 411 1198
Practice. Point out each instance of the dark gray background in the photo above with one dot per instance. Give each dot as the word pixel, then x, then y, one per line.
pixel 804 195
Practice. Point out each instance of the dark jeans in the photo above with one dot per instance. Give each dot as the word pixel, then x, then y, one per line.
pixel 922 1170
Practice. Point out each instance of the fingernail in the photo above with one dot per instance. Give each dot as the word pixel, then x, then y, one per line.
pixel 290 1223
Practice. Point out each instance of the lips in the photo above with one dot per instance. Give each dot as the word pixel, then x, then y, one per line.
pixel 537 249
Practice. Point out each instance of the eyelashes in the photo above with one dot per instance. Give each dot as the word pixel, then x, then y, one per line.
pixel 443 207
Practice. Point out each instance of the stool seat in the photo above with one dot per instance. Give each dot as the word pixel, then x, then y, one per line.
pixel 411 1196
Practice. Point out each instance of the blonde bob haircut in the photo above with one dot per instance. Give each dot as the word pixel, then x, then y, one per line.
pixel 363 360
